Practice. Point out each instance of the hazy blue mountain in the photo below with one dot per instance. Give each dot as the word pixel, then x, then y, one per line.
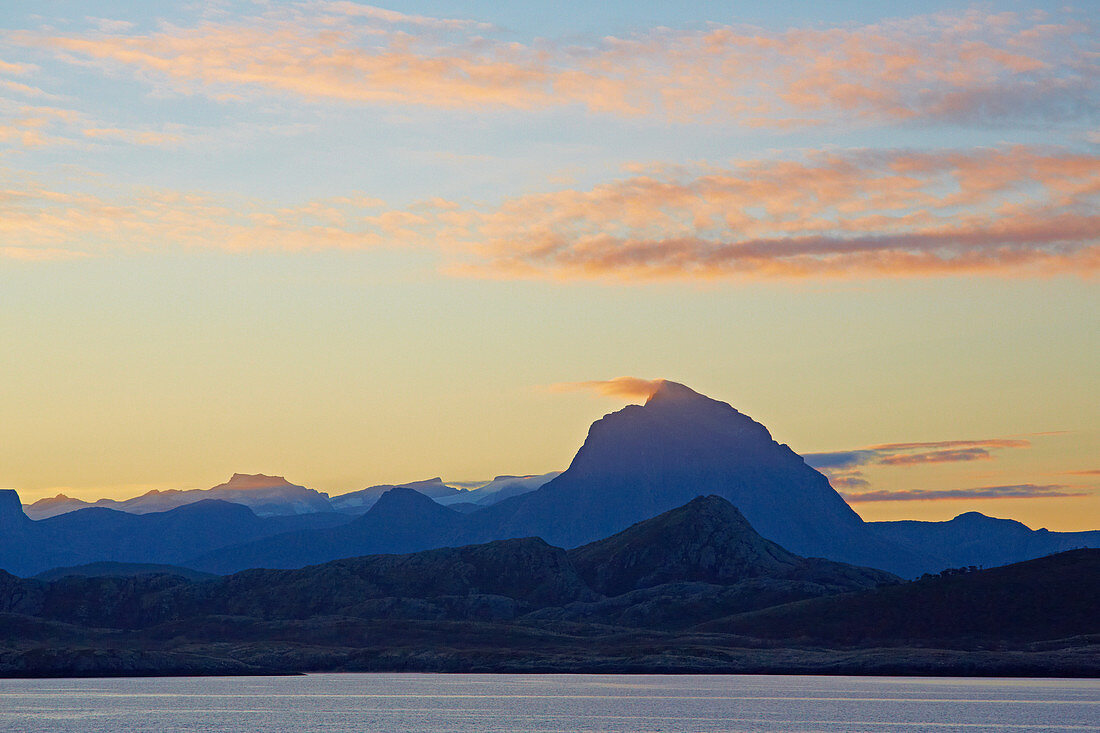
pixel 29 547
pixel 265 495
pixel 499 489
pixel 402 520
pixel 644 460
pixel 358 502
pixel 636 463
pixel 706 543
pixel 975 539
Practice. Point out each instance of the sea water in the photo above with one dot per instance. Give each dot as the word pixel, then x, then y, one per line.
pixel 482 703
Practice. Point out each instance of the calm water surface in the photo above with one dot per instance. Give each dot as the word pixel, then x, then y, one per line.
pixel 545 703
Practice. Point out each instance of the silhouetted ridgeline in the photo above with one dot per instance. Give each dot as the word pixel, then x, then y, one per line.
pixel 693 542
pixel 634 464
pixel 694 589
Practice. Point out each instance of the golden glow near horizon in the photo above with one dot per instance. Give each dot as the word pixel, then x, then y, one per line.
pixel 356 245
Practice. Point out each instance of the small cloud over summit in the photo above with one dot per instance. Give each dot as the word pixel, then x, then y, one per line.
pixel 630 387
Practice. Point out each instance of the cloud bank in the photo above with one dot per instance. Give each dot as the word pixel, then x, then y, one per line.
pixel 973 66
pixel 1014 211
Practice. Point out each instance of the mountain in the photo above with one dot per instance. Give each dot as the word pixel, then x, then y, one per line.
pixel 265 495
pixel 60 504
pixel 499 489
pixel 707 540
pixel 635 463
pixel 358 502
pixel 975 539
pixel 644 460
pixel 1048 598
pixel 706 543
pixel 402 520
pixel 28 547
pixel 705 594
pixel 647 459
pixel 12 518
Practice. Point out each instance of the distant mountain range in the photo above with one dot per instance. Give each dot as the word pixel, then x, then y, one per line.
pixel 91 535
pixel 693 589
pixel 635 464
pixel 272 496
pixel 499 489
pixel 265 495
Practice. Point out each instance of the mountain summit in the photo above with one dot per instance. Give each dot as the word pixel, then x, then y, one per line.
pixel 11 511
pixel 252 481
pixel 647 459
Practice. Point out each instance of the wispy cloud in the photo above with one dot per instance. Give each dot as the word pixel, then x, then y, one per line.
pixel 35 218
pixel 858 214
pixel 1016 491
pixel 903 454
pixel 1016 212
pixel 845 468
pixel 969 66
pixel 629 387
pixel 937 456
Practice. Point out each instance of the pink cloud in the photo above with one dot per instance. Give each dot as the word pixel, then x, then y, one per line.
pixel 845 468
pixel 939 456
pixel 943 66
pixel 629 387
pixel 1017 491
pixel 1009 211
pixel 1012 212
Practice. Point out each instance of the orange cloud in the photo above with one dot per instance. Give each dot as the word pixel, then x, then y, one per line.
pixel 1016 491
pixel 1010 211
pixel 844 468
pixel 1016 211
pixel 629 387
pixel 939 456
pixel 986 443
pixel 36 219
pixel 943 66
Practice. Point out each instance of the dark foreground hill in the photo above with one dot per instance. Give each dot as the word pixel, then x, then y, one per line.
pixel 653 598
pixel 1049 598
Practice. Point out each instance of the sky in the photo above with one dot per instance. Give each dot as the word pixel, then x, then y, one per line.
pixel 354 244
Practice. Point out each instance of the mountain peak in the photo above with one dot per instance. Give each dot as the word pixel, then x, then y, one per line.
pixel 405 500
pixel 668 391
pixel 247 481
pixel 11 509
pixel 706 540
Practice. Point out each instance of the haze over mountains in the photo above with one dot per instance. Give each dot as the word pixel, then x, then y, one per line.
pixel 635 464
pixel 270 496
